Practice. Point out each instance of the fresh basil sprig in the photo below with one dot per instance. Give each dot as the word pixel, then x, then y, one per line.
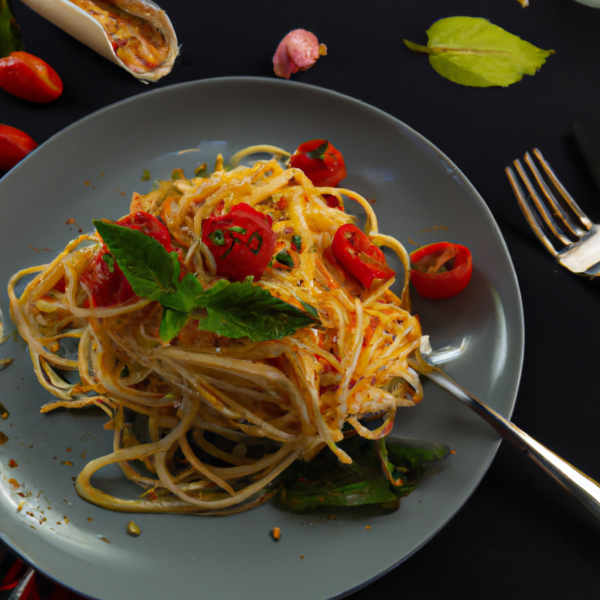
pixel 233 309
pixel 10 36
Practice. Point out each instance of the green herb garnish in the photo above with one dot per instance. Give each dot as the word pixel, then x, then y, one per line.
pixel 297 243
pixel 10 35
pixel 472 51
pixel 319 152
pixel 145 176
pixel 233 309
pixel 284 258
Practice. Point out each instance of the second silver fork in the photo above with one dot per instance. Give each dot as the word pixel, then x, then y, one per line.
pixel 577 238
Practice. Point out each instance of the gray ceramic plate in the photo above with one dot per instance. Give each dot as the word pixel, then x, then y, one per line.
pixel 89 171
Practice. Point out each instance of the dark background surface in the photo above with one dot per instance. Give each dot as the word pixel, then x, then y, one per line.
pixel 519 535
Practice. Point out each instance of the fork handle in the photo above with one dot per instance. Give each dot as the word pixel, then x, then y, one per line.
pixel 584 488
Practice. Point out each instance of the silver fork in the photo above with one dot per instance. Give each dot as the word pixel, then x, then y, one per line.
pixel 577 238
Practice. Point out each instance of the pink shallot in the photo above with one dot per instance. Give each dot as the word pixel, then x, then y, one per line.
pixel 297 51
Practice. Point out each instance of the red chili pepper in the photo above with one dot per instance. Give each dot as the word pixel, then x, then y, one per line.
pixel 353 249
pixel 29 77
pixel 321 163
pixel 441 270
pixel 103 279
pixel 15 145
pixel 242 242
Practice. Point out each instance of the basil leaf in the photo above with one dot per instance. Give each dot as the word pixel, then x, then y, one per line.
pixel 472 51
pixel 201 171
pixel 10 35
pixel 319 152
pixel 242 309
pixel 297 243
pixel 188 291
pixel 145 176
pixel 311 310
pixel 143 260
pixel 285 259
pixel 110 261
pixel 172 323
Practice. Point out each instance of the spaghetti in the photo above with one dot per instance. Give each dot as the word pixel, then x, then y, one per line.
pixel 213 419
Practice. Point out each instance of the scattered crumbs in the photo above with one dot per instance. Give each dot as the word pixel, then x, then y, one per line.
pixel 73 478
pixel 41 511
pixel 90 519
pixel 20 507
pixel 105 540
pixel 435 228
pixel 87 183
pixel 58 523
pixel 13 464
pixel 133 530
pixel 3 438
pixel 30 514
pixel 65 500
pixel 367 527
pixel 5 362
pixel 35 249
pixel 14 483
pixel 69 450
pixel 414 243
pixel 452 451
pixel 102 174
pixel 276 533
pixel 66 520
pixel 332 518
pixel 47 250
pixel 46 499
pixel 43 520
pixel 116 189
pixel 373 201
pixel 49 508
pixel 38 496
pixel 93 187
pixel 66 462
pixel 302 556
pixel 32 527
pixel 83 454
pixel 122 193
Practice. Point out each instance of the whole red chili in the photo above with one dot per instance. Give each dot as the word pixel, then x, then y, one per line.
pixel 103 279
pixel 353 249
pixel 15 145
pixel 441 270
pixel 320 161
pixel 242 242
pixel 29 77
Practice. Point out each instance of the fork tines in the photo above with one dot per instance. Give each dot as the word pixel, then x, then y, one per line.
pixel 567 227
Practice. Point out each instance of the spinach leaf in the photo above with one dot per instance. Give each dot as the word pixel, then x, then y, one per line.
pixel 243 309
pixel 10 35
pixel 472 51
pixel 324 481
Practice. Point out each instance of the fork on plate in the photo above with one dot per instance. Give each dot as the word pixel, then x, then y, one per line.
pixel 576 240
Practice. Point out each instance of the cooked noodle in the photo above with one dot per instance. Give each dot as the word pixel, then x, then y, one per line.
pixel 205 395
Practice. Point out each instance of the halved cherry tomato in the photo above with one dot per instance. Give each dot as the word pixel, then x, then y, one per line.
pixel 15 145
pixel 321 163
pixel 353 249
pixel 242 242
pixel 26 76
pixel 441 270
pixel 103 279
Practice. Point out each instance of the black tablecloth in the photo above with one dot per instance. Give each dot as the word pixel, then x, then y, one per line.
pixel 519 535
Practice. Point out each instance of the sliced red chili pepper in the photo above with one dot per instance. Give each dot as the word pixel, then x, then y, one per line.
pixel 15 145
pixel 441 270
pixel 103 279
pixel 321 162
pixel 29 77
pixel 353 249
pixel 242 241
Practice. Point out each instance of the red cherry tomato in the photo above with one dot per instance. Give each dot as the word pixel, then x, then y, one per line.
pixel 29 77
pixel 441 270
pixel 353 249
pixel 242 242
pixel 321 163
pixel 15 145
pixel 103 279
